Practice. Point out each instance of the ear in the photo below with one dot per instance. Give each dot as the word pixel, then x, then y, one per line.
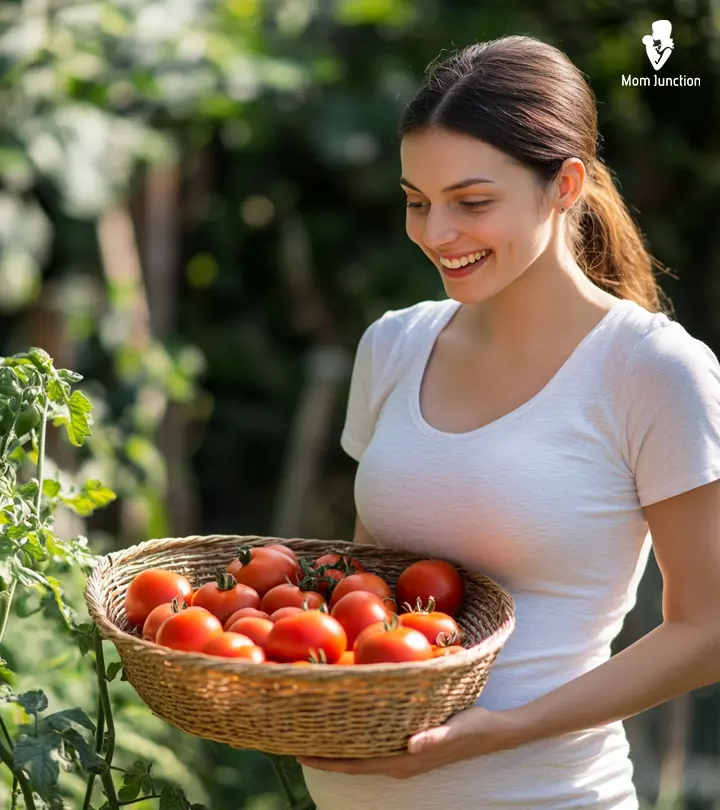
pixel 570 181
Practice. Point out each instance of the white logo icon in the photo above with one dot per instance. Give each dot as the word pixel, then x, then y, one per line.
pixel 659 45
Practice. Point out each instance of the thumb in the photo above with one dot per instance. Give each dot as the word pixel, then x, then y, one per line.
pixel 426 739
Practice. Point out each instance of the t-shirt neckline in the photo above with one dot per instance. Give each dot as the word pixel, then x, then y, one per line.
pixel 422 361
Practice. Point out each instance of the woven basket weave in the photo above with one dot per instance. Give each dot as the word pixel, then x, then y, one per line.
pixel 333 711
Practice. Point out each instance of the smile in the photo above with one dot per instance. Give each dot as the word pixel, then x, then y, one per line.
pixel 463 261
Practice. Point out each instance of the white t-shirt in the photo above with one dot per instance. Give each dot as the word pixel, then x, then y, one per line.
pixel 547 500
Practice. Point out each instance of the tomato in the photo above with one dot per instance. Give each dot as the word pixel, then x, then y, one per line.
pixel 432 624
pixel 288 595
pixel 344 560
pixel 334 567
pixel 347 658
pixel 363 582
pixel 401 645
pixel 431 578
pixel 156 617
pixel 255 629
pixel 310 632
pixel 228 645
pixel 223 596
pixel 441 652
pixel 151 588
pixel 357 610
pixel 263 568
pixel 189 630
pixel 283 550
pixel 285 611
pixel 240 614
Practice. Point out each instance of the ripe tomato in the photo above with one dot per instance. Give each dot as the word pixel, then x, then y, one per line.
pixel 227 645
pixel 285 611
pixel 431 578
pixel 343 560
pixel 357 610
pixel 431 624
pixel 156 617
pixel 371 583
pixel 240 614
pixel 440 652
pixel 151 588
pixel 224 595
pixel 401 645
pixel 334 567
pixel 255 629
pixel 283 550
pixel 189 630
pixel 310 632
pixel 347 658
pixel 263 568
pixel 288 595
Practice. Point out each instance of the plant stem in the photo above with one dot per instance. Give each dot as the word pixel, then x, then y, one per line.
pixel 41 458
pixel 140 799
pixel 6 733
pixel 7 759
pixel 13 805
pixel 6 598
pixel 99 738
pixel 107 779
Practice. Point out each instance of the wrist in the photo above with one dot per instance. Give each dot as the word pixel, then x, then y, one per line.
pixel 517 727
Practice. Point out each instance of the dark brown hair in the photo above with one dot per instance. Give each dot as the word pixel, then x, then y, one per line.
pixel 527 99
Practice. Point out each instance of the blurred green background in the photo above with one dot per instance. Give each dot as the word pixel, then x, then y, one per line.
pixel 200 212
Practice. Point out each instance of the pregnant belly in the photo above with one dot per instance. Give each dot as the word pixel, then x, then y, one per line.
pixel 586 770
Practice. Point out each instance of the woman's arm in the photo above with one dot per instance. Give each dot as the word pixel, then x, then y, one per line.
pixel 362 536
pixel 682 654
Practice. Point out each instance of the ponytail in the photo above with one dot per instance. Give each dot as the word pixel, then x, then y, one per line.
pixel 609 246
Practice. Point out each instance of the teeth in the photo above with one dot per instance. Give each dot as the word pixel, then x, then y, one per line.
pixel 471 258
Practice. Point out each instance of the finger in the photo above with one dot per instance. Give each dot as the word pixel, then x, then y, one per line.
pixel 424 739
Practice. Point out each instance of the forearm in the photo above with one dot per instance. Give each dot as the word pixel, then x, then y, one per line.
pixel 671 660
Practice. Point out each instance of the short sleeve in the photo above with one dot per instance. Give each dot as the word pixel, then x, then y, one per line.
pixel 359 417
pixel 671 393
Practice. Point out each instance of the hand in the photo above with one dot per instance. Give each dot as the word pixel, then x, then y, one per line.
pixel 647 40
pixel 469 733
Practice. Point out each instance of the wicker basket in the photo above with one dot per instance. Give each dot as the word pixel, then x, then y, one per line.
pixel 333 711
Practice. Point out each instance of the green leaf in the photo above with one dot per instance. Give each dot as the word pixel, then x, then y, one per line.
pixel 93 495
pixel 80 418
pixel 89 758
pixel 113 670
pixel 85 637
pixel 5 673
pixel 57 392
pixel 39 757
pixel 51 488
pixel 61 721
pixel 130 791
pixel 28 490
pixel 148 785
pixel 172 798
pixel 33 702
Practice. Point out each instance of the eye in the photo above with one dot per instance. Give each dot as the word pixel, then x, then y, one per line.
pixel 472 206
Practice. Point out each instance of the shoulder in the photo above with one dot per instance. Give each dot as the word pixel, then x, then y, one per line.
pixel 406 325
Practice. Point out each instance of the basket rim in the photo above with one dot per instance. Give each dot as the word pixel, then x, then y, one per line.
pixel 108 630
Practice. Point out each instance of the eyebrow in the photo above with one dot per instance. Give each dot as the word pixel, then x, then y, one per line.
pixel 472 181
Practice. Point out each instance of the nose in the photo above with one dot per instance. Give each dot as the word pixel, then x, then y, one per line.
pixel 440 228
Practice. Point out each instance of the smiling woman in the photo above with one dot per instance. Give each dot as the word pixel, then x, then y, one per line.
pixel 542 425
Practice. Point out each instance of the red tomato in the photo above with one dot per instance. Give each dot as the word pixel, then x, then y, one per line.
pixel 334 567
pixel 263 568
pixel 224 596
pixel 227 645
pixel 401 645
pixel 285 611
pixel 255 629
pixel 357 610
pixel 431 578
pixel 310 632
pixel 240 614
pixel 431 625
pixel 345 559
pixel 371 583
pixel 153 587
pixel 189 630
pixel 288 595
pixel 440 652
pixel 283 550
pixel 155 618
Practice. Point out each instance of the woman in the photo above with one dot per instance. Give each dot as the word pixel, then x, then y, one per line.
pixel 541 425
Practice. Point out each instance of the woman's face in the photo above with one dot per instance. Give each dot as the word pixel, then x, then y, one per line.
pixel 500 215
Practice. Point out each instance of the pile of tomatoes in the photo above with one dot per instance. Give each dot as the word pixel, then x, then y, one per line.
pixel 269 606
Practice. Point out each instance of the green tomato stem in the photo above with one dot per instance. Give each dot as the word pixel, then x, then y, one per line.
pixel 108 784
pixel 99 737
pixel 27 793
pixel 41 458
pixel 283 779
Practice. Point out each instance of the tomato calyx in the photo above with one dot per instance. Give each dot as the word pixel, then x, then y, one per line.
pixel 317 656
pixel 450 639
pixel 224 580
pixel 244 554
pixel 429 607
pixel 177 606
